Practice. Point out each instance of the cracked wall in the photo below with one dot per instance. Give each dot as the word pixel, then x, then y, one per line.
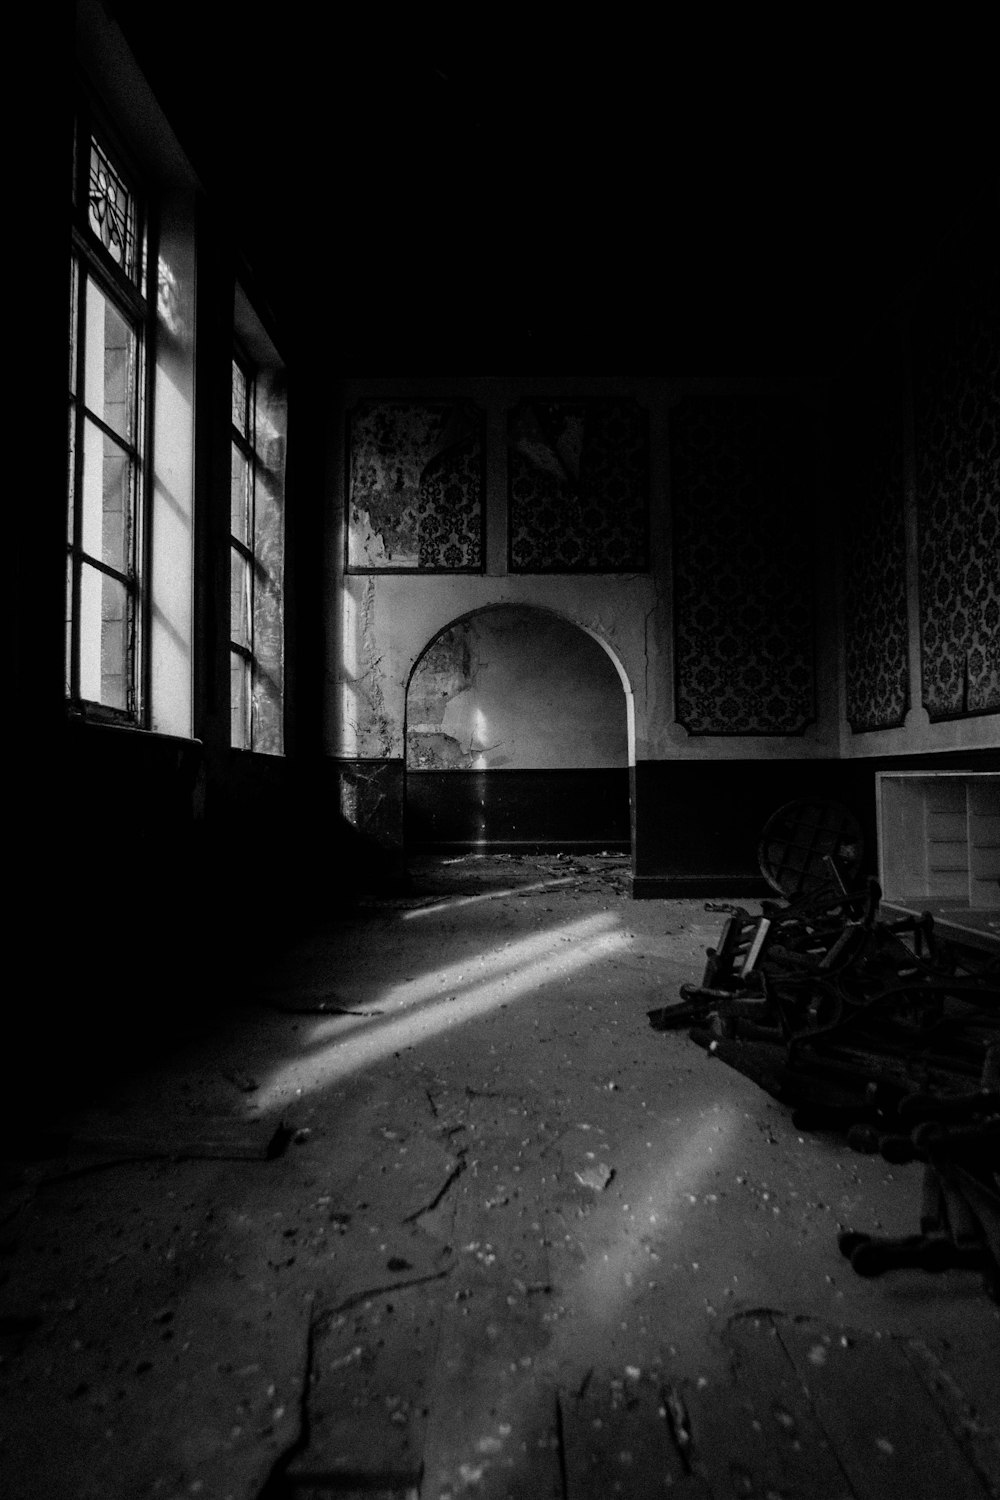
pixel 515 688
pixel 415 485
pixel 379 629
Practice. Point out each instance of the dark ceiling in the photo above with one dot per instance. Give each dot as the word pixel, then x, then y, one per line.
pixel 456 195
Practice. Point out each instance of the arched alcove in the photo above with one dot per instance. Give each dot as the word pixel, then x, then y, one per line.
pixel 517 736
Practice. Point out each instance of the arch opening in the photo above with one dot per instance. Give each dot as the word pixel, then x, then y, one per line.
pixel 518 736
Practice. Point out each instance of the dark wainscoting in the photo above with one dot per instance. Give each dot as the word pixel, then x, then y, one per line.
pixel 517 811
pixel 698 823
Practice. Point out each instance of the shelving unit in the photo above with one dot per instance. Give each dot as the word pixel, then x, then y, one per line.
pixel 939 847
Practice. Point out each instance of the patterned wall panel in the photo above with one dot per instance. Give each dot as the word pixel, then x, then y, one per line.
pixel 957 438
pixel 415 486
pixel 578 477
pixel 876 629
pixel 743 491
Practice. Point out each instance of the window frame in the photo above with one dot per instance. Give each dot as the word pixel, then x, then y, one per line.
pixel 132 298
pixel 246 446
pixel 263 450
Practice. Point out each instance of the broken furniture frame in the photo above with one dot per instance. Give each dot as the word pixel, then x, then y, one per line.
pixel 877 1029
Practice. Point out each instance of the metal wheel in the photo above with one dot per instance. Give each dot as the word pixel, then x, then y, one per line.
pixel 798 839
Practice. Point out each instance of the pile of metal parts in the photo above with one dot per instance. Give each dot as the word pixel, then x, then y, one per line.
pixel 877 1029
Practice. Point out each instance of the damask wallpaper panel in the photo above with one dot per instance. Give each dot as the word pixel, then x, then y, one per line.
pixel 742 480
pixel 578 487
pixel 957 440
pixel 876 626
pixel 415 486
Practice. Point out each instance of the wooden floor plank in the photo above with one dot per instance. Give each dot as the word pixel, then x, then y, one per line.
pixel 493 1428
pixel 887 1432
pixel 337 1491
pixel 975 1432
pixel 616 1440
pixel 211 1137
pixel 370 1392
pixel 757 1434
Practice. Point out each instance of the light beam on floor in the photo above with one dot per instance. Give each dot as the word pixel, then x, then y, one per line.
pixel 514 890
pixel 657 1206
pixel 511 974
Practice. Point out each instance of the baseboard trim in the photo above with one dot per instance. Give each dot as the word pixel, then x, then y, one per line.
pixel 520 846
pixel 663 887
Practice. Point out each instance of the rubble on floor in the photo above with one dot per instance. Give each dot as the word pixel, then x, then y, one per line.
pixel 877 1029
pixel 507 1248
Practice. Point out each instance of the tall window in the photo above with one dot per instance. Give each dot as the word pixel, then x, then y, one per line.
pixel 256 546
pixel 106 431
pixel 241 570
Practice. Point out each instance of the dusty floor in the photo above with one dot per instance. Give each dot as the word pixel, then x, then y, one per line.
pixel 436 1213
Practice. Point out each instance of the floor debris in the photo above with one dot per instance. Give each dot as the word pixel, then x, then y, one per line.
pixel 596 1177
pixel 878 1030
pixel 422 1299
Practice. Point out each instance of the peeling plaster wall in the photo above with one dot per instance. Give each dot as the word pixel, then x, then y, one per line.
pixel 366 721
pixel 518 689
pixel 388 622
pixel 415 485
pixel 378 625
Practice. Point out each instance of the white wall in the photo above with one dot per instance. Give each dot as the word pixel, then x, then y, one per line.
pixel 379 624
pixel 516 688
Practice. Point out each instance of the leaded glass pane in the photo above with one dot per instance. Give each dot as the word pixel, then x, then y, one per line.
pixel 74 304
pixel 239 498
pixel 107 499
pixel 71 473
pixel 112 348
pixel 239 701
pixel 112 211
pixel 69 625
pixel 105 627
pixel 239 599
pixel 114 643
pixel 240 417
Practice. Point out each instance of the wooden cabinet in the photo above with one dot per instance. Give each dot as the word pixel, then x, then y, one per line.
pixel 939 839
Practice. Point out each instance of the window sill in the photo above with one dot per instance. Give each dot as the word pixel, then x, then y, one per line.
pixel 78 719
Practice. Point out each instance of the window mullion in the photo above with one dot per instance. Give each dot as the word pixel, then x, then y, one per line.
pixel 142 539
pixel 241 548
pixel 127 580
pixel 78 466
pixel 252 537
pixel 133 450
pixel 240 442
pixel 110 279
pixel 108 422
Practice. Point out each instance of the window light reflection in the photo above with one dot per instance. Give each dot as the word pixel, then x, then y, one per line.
pixel 423 1013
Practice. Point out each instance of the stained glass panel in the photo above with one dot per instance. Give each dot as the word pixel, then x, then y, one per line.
pixel 112 211
pixel 240 419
